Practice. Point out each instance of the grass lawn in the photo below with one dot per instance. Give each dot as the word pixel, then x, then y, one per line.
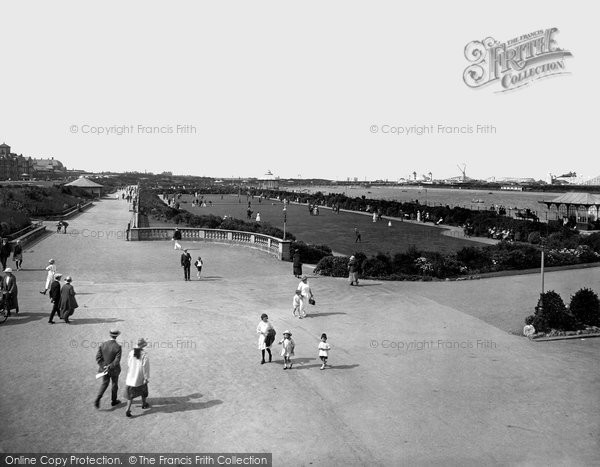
pixel 335 230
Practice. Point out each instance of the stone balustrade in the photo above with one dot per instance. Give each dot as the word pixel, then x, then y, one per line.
pixel 272 245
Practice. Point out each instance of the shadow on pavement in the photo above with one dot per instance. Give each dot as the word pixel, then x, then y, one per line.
pixel 341 367
pixel 178 404
pixel 316 314
pixel 24 317
pixel 75 321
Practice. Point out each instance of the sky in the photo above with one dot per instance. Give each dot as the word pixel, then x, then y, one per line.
pixel 303 89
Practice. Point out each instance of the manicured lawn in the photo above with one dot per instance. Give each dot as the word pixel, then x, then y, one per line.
pixel 335 230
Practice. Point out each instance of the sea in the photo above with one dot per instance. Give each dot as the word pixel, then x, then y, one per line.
pixel 513 201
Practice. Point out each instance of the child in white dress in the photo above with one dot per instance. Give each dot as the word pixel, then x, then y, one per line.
pixel 324 349
pixel 288 349
pixel 297 304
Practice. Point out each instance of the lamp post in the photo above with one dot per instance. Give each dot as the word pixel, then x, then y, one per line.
pixel 284 219
pixel 541 302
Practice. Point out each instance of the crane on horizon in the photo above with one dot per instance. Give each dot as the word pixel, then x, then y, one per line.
pixel 463 170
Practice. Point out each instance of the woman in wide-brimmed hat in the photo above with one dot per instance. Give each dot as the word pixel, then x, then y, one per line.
pixel 68 303
pixel 138 375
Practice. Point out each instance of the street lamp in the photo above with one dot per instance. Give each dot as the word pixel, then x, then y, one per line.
pixel 541 302
pixel 284 219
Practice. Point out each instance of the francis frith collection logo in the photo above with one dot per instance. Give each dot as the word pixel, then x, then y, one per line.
pixel 514 63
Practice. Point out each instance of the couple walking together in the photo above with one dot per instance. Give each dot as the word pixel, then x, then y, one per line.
pixel 108 358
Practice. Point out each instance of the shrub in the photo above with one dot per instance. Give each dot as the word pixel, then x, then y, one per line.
pixel 404 263
pixel 551 313
pixel 585 307
pixel 360 259
pixel 593 241
pixel 373 267
pixel 12 221
pixel 334 266
pixel 514 256
pixel 311 254
pixel 534 237
pixel 474 258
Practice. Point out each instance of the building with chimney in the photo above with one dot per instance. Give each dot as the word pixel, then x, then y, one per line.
pixel 13 166
pixel 19 167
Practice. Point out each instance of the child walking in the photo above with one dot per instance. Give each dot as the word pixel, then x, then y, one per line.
pixel 198 264
pixel 324 349
pixel 288 349
pixel 297 304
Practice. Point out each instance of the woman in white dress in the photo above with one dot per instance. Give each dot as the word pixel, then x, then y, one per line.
pixel 138 375
pixel 51 268
pixel 263 329
pixel 306 293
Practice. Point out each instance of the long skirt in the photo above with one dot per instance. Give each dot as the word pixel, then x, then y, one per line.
pixel 136 391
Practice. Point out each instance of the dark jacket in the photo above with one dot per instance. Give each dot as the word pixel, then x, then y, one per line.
pixel 55 292
pixel 5 250
pixel 18 250
pixel 109 354
pixel 177 235
pixel 186 259
pixel 67 301
pixel 10 291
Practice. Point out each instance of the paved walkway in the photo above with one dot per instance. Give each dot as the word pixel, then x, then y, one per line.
pixel 419 376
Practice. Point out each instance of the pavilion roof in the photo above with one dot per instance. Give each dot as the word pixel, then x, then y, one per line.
pixel 582 199
pixel 84 183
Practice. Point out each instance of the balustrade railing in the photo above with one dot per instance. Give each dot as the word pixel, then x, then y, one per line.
pixel 271 245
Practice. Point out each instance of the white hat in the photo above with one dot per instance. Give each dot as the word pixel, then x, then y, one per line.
pixel 287 332
pixel 8 270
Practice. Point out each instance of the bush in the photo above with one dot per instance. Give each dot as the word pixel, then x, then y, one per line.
pixel 474 258
pixel 535 238
pixel 514 256
pixel 311 254
pixel 551 313
pixel 12 221
pixel 404 263
pixel 334 266
pixel 593 241
pixel 585 307
pixel 374 267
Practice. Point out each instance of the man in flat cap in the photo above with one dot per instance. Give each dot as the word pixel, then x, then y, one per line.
pixel 109 361
pixel 55 296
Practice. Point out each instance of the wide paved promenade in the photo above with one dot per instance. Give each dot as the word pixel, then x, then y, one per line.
pixel 422 373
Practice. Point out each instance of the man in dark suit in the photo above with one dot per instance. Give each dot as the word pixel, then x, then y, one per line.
pixel 10 291
pixel 186 263
pixel 108 358
pixel 5 251
pixel 55 296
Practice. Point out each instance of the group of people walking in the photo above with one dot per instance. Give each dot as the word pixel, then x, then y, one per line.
pixel 17 252
pixel 108 359
pixel 266 337
pixel 62 298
